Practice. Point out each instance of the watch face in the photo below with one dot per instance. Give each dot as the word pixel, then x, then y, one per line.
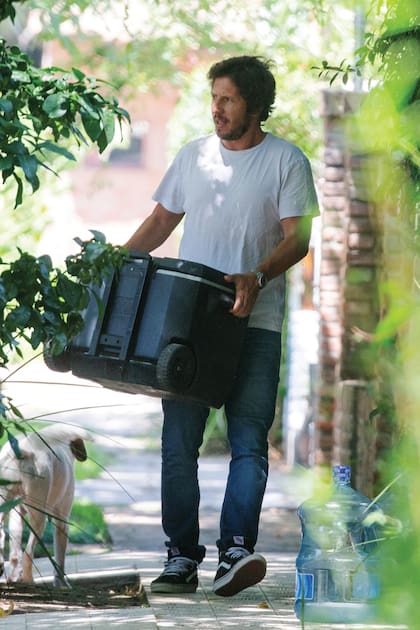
pixel 261 279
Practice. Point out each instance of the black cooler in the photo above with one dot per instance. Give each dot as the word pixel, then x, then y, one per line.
pixel 164 330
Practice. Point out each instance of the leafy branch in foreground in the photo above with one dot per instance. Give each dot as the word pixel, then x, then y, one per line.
pixel 42 304
pixel 39 108
pixel 7 10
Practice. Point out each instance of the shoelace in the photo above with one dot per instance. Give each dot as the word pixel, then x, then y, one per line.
pixel 178 565
pixel 236 552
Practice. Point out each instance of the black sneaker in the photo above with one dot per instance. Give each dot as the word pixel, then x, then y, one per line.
pixel 178 576
pixel 238 569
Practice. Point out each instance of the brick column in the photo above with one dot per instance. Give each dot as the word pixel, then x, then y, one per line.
pixel 348 302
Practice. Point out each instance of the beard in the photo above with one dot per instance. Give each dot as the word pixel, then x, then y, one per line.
pixel 236 132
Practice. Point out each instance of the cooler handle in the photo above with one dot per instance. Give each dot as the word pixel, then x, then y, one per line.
pixel 227 300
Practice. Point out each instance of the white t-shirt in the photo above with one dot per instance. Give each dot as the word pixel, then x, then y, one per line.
pixel 233 202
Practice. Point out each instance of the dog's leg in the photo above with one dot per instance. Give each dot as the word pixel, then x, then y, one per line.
pixel 15 544
pixel 37 521
pixel 2 541
pixel 60 546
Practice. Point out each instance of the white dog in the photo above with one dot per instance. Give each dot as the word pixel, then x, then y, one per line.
pixel 43 477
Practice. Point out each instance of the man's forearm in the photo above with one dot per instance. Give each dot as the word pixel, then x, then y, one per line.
pixel 287 253
pixel 154 230
pixel 290 250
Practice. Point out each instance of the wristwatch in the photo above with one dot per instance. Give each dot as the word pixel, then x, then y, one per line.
pixel 261 279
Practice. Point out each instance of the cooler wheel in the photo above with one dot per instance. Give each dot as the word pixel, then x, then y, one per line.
pixel 58 362
pixel 176 367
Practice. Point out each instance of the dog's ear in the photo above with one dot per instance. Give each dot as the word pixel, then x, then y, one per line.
pixel 78 449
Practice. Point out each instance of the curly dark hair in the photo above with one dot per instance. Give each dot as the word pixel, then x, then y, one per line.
pixel 254 79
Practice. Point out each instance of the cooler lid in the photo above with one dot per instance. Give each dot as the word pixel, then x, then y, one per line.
pixel 193 270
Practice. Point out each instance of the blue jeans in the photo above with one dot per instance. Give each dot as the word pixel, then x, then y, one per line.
pixel 250 412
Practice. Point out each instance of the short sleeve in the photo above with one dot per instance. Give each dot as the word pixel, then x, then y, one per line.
pixel 170 190
pixel 297 190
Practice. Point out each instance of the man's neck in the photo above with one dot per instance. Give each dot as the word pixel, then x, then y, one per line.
pixel 250 139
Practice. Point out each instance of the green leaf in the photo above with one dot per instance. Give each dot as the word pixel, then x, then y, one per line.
pixel 92 126
pixel 333 78
pixel 98 236
pixel 75 321
pixel 91 109
pixel 19 193
pixel 59 342
pixel 21 77
pixel 55 105
pixel 80 138
pixel 9 505
pixel 70 291
pixel 78 74
pixel 54 148
pixel 6 105
pixel 29 164
pixel 14 444
pixel 6 162
pixel 52 317
pixel 45 266
pixel 17 148
pixel 15 410
pixel 18 317
pixel 108 131
pixel 54 69
pixel 122 113
pixel 37 337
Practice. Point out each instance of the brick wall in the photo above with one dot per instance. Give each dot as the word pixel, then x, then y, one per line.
pixel 348 301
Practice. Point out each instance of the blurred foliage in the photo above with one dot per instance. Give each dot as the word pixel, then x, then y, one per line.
pixel 386 128
pixel 39 108
pixel 87 526
pixel 158 40
pixel 138 46
pixel 94 466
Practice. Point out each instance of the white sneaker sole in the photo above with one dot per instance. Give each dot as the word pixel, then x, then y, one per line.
pixel 245 573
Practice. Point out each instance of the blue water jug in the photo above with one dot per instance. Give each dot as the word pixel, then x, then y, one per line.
pixel 337 568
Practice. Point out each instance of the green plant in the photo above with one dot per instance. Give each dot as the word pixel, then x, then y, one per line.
pixel 41 107
pixel 42 305
pixel 41 111
pixel 7 10
pixel 386 129
pixel 86 526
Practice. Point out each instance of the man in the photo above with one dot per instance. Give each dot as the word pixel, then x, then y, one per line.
pixel 247 199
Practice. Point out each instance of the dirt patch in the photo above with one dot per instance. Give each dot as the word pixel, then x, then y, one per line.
pixel 93 590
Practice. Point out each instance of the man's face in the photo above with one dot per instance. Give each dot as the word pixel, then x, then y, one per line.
pixel 229 111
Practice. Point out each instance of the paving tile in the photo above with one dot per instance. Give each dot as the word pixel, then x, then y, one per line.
pixel 129 491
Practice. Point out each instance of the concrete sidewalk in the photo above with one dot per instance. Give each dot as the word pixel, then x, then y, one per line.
pixel 133 514
pixel 138 544
pixel 128 429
